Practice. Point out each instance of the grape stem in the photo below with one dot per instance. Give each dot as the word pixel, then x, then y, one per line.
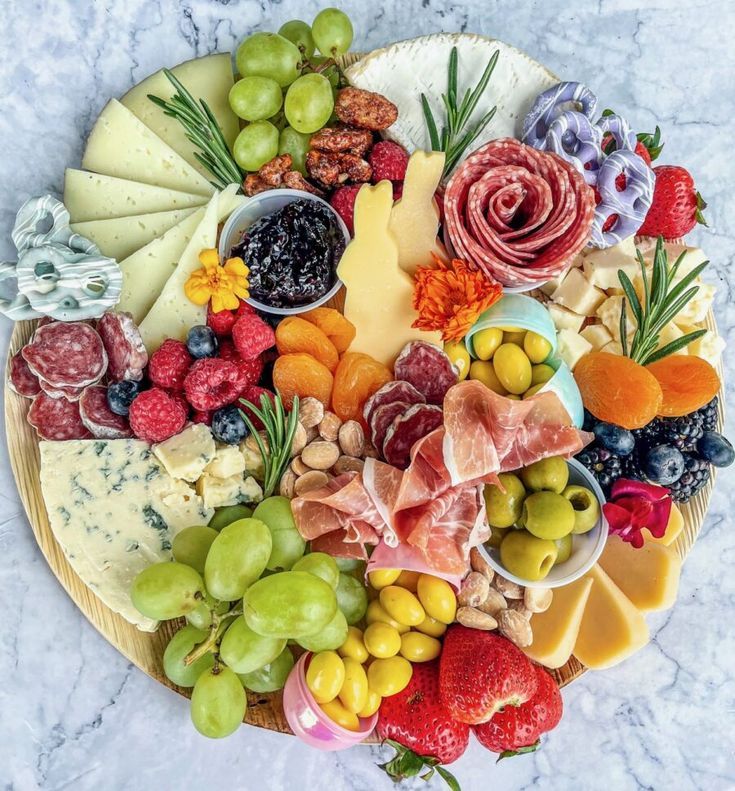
pixel 216 630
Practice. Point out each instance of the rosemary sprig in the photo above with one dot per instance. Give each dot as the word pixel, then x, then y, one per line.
pixel 280 428
pixel 202 129
pixel 662 302
pixel 456 137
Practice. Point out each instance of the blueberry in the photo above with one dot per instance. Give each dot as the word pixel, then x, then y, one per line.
pixel 202 342
pixel 228 425
pixel 120 395
pixel 614 438
pixel 664 464
pixel 715 449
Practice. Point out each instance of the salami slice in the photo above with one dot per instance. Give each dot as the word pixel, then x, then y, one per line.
pixel 57 418
pixel 389 393
pixel 21 379
pixel 124 346
pixel 69 393
pixel 99 418
pixel 427 368
pixel 382 418
pixel 415 424
pixel 67 354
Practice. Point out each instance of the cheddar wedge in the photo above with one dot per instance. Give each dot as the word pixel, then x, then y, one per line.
pixel 673 528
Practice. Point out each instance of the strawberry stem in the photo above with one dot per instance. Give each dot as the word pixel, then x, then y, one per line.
pixel 406 763
pixel 520 750
pixel 701 206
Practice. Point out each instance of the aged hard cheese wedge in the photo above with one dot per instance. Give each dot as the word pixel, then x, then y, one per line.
pixel 120 237
pixel 120 145
pixel 612 627
pixel 209 78
pixel 673 528
pixel 648 576
pixel 379 293
pixel 555 631
pixel 89 196
pixel 113 511
pixel 414 219
pixel 601 266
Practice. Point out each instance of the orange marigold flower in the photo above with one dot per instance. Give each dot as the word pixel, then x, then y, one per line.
pixel 450 297
pixel 223 285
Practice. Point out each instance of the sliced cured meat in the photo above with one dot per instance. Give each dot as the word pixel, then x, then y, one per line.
pixel 410 558
pixel 69 393
pixel 427 368
pixel 125 349
pixel 382 419
pixel 418 421
pixel 383 482
pixel 388 394
pixel 97 416
pixel 67 354
pixel 57 418
pixel 21 379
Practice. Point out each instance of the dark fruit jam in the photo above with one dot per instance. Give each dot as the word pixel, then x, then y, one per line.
pixel 292 254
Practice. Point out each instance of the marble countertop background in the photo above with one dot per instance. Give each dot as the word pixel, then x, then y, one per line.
pixel 73 713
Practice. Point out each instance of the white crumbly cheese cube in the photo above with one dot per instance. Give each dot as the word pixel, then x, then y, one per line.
pixel 597 335
pixel 218 492
pixel 709 347
pixel 186 454
pixel 695 311
pixel 612 348
pixel 565 319
pixel 572 347
pixel 601 265
pixel 227 461
pixel 578 294
pixel 609 315
pixel 670 333
pixel 550 286
pixel 253 461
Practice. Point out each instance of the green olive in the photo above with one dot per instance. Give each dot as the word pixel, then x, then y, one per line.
pixel 540 374
pixel 485 342
pixel 586 508
pixel 504 507
pixel 547 515
pixel 512 368
pixel 551 474
pixel 564 547
pixel 527 556
pixel 497 534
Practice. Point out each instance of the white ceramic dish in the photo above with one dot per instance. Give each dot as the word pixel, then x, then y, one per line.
pixel 259 206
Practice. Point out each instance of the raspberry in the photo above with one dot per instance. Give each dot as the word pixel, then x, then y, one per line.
pixel 156 415
pixel 223 321
pixel 343 202
pixel 169 365
pixel 397 190
pixel 202 417
pixel 253 394
pixel 388 161
pixel 250 370
pixel 212 383
pixel 251 336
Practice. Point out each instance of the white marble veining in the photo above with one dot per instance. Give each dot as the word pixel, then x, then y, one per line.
pixel 73 713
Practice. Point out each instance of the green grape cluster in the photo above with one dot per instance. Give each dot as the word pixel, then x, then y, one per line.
pixel 283 81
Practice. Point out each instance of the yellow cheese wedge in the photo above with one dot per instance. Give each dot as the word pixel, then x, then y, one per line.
pixel 555 631
pixel 673 528
pixel 379 293
pixel 648 576
pixel 612 628
pixel 414 220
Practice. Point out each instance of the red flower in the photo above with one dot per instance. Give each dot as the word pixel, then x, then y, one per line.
pixel 634 505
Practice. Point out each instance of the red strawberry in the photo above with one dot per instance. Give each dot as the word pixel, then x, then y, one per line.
pixel 480 673
pixel 420 729
pixel 676 207
pixel 517 730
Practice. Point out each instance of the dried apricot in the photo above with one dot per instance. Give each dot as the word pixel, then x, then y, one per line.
pixel 302 375
pixel 617 390
pixel 357 377
pixel 294 335
pixel 687 383
pixel 334 325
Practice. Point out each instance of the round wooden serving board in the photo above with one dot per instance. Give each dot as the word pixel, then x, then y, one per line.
pixel 143 649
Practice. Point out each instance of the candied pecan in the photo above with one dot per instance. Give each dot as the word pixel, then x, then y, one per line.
pixel 254 184
pixel 343 138
pixel 365 109
pixel 272 172
pixel 295 181
pixel 333 169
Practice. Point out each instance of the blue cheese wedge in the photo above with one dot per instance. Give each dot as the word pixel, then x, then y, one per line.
pixel 114 510
pixel 220 492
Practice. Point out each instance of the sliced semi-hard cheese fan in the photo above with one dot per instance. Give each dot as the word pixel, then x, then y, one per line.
pixel 555 631
pixel 209 78
pixel 648 576
pixel 90 196
pixel 146 271
pixel 379 293
pixel 414 219
pixel 121 145
pixel 612 627
pixel 120 237
pixel 673 528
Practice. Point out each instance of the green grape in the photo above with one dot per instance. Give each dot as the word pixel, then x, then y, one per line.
pixel 309 103
pixel 296 144
pixel 269 55
pixel 237 558
pixel 299 33
pixel 200 616
pixel 244 650
pixel 321 565
pixel 270 677
pixel 350 564
pixel 254 98
pixel 329 638
pixel 256 144
pixel 167 590
pixel 288 546
pixel 289 604
pixel 228 514
pixel 178 648
pixel 279 121
pixel 352 598
pixel 218 703
pixel 332 32
pixel 192 544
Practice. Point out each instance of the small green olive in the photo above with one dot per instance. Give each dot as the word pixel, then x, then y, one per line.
pixel 586 508
pixel 551 474
pixel 527 556
pixel 547 515
pixel 504 507
pixel 564 547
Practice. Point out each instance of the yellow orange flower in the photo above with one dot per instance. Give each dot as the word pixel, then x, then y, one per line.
pixel 224 285
pixel 450 297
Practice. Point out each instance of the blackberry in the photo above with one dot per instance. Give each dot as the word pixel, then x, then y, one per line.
pixel 695 476
pixel 603 464
pixel 649 434
pixel 708 415
pixel 632 466
pixel 681 432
